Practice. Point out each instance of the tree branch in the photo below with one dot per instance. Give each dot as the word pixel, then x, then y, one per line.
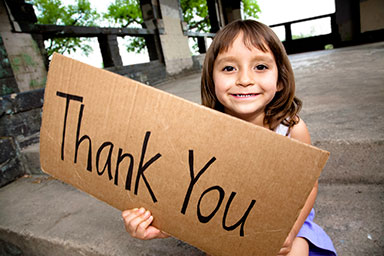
pixel 76 20
pixel 196 25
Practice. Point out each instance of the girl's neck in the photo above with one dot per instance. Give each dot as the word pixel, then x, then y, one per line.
pixel 257 120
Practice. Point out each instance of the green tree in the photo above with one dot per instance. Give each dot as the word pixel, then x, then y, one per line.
pixel 195 14
pixel 79 14
pixel 121 13
pixel 124 13
pixel 127 13
pixel 250 9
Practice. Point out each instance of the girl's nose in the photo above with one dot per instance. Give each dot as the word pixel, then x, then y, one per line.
pixel 245 78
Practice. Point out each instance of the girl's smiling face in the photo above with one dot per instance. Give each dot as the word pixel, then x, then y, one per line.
pixel 245 80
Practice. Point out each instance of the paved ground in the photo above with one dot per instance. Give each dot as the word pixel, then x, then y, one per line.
pixel 343 94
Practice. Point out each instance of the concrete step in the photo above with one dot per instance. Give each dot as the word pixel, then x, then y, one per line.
pixel 353 162
pixel 42 216
pixel 353 216
pixel 31 157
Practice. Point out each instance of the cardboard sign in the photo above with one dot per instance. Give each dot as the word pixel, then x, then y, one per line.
pixel 219 183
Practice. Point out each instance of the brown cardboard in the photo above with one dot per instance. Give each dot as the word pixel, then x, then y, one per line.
pixel 238 169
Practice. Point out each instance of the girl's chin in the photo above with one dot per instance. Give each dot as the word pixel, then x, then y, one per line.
pixel 248 115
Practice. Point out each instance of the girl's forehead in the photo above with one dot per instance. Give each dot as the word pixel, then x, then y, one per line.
pixel 241 48
pixel 248 41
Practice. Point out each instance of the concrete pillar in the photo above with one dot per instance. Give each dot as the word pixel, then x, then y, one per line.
pixel 214 17
pixel 8 83
pixel 109 48
pixel 371 15
pixel 150 10
pixel 177 55
pixel 222 12
pixel 348 19
pixel 23 53
pixel 231 10
pixel 202 44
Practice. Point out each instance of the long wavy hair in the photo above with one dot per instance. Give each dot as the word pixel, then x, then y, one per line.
pixel 285 106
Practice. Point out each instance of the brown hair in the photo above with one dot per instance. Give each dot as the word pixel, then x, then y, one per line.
pixel 284 107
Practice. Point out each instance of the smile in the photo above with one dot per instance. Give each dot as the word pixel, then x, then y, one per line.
pixel 248 95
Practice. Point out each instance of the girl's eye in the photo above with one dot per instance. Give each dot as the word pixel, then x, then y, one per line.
pixel 261 67
pixel 228 68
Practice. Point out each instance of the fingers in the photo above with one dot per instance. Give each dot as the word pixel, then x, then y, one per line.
pixel 128 215
pixel 283 251
pixel 138 224
pixel 136 221
pixel 287 246
pixel 143 223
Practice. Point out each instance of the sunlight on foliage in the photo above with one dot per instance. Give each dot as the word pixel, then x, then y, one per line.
pixel 250 9
pixel 127 13
pixel 195 13
pixel 120 13
pixel 54 12
pixel 124 13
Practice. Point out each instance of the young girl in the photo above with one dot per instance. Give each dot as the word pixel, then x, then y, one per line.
pixel 247 74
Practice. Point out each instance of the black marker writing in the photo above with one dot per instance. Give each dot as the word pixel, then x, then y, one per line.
pixel 108 148
pixel 242 220
pixel 140 171
pixel 120 158
pixel 194 179
pixel 205 219
pixel 69 97
pixel 83 138
pixel 107 162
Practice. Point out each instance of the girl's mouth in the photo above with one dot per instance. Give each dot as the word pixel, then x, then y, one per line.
pixel 247 95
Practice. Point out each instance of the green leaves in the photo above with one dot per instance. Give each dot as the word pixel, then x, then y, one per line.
pixel 195 13
pixel 54 12
pixel 68 45
pixel 136 44
pixel 49 11
pixel 120 13
pixel 251 8
pixel 79 14
pixel 124 13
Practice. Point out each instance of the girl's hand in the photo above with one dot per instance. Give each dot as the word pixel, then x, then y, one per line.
pixel 287 246
pixel 138 224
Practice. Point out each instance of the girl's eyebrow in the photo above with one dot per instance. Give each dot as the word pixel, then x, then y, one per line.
pixel 264 58
pixel 225 59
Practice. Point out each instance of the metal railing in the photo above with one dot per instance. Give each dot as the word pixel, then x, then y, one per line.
pixel 288 25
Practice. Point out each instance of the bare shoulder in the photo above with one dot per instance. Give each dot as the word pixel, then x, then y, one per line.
pixel 300 132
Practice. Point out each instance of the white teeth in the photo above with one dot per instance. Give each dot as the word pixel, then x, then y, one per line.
pixel 244 95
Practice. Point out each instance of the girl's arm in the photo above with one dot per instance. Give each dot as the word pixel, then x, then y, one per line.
pixel 300 132
pixel 138 224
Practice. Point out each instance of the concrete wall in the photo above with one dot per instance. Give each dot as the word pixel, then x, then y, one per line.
pixel 20 120
pixel 371 15
pixel 23 53
pixel 150 73
pixel 7 79
pixel 177 55
pixel 348 19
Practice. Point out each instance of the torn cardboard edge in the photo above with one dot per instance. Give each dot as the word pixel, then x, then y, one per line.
pixel 209 179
